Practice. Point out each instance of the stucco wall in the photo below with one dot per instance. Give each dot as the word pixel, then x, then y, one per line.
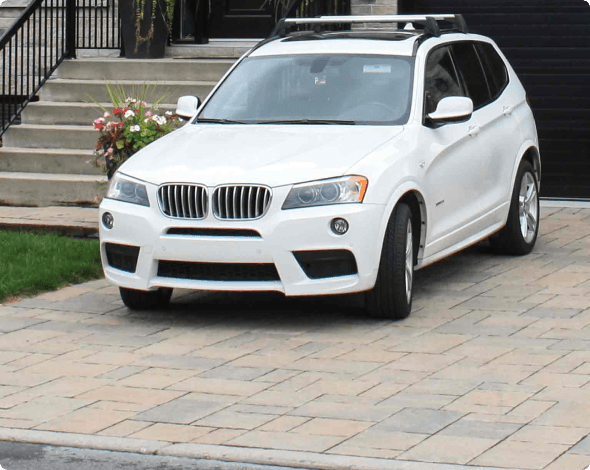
pixel 374 7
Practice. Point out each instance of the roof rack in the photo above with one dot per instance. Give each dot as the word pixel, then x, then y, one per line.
pixel 430 22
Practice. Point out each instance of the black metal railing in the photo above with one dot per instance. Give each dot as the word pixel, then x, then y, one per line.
pixel 308 9
pixel 312 8
pixel 47 32
pixel 97 24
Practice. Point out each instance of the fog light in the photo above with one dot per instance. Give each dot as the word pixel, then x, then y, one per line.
pixel 108 220
pixel 339 226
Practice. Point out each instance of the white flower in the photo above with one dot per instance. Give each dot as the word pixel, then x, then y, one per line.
pixel 129 114
pixel 146 120
pixel 161 120
pixel 107 115
pixel 168 113
pixel 135 128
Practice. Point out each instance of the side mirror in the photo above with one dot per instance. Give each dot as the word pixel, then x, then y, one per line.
pixel 187 106
pixel 451 109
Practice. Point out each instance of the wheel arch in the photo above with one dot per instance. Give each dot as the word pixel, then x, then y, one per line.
pixel 534 158
pixel 529 152
pixel 418 208
pixel 411 195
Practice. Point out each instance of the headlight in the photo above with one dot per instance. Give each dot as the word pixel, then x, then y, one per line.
pixel 123 188
pixel 345 190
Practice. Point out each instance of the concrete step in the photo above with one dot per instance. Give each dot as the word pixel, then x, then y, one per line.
pixel 67 221
pixel 219 49
pixel 44 160
pixel 6 23
pixel 68 90
pixel 49 112
pixel 10 11
pixel 42 189
pixel 115 70
pixel 53 137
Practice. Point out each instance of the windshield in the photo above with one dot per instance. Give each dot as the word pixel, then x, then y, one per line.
pixel 310 89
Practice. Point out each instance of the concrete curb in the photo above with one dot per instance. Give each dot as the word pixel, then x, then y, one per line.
pixel 69 230
pixel 244 455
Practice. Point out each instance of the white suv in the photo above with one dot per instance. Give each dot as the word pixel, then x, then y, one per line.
pixel 331 162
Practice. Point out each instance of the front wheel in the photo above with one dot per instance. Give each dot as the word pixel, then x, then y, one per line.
pixel 392 295
pixel 145 300
pixel 519 235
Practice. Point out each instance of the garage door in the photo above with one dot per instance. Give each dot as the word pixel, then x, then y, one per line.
pixel 548 44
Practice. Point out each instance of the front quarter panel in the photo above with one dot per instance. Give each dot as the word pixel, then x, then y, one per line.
pixel 393 171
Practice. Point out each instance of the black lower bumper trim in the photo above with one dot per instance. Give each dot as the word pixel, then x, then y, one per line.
pixel 326 263
pixel 123 257
pixel 218 271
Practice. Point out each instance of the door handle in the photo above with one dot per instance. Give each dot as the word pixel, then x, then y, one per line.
pixel 507 110
pixel 473 131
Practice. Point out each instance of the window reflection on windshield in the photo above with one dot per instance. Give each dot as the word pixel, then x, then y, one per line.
pixel 363 89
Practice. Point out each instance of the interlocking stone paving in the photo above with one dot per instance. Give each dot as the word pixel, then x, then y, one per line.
pixel 492 369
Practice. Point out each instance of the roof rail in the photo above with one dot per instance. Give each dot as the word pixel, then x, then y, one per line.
pixel 430 22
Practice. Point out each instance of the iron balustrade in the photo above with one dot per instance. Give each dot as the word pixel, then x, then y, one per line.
pixel 46 33
pixel 312 8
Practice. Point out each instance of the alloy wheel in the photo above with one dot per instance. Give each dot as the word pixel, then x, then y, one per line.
pixel 528 207
pixel 409 261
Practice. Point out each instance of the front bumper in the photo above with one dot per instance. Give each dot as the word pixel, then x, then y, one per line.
pixel 281 234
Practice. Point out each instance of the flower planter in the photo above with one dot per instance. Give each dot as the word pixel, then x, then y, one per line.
pixel 153 48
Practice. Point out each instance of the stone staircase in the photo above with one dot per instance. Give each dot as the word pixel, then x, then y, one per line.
pixel 43 161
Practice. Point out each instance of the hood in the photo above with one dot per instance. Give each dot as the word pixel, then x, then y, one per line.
pixel 274 155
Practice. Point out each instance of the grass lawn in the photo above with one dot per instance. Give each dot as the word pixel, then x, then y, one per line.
pixel 31 263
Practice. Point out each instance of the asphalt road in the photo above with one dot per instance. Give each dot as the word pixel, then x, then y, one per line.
pixel 17 456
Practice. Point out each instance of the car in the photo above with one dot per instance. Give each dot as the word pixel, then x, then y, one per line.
pixel 331 161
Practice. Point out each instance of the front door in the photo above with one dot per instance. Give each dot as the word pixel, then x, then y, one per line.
pixel 242 18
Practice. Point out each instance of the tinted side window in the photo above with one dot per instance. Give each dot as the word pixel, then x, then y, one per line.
pixel 470 68
pixel 494 67
pixel 440 79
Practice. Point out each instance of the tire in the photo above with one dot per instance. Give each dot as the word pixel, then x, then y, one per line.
pixel 391 297
pixel 519 235
pixel 145 300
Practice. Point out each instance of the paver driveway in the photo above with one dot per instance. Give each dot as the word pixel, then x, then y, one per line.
pixel 492 369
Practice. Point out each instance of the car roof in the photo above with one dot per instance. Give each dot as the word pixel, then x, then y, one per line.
pixel 393 42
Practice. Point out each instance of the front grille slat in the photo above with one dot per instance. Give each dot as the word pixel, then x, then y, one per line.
pixel 176 200
pixel 266 198
pixel 182 205
pixel 183 201
pixel 242 212
pixel 191 200
pixel 204 201
pixel 258 207
pixel 172 205
pixel 250 203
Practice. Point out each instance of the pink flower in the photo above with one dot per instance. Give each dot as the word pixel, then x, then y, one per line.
pixel 148 113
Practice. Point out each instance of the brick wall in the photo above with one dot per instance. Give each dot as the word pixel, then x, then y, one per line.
pixel 374 7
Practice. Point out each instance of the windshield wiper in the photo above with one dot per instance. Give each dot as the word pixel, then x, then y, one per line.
pixel 219 121
pixel 309 121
